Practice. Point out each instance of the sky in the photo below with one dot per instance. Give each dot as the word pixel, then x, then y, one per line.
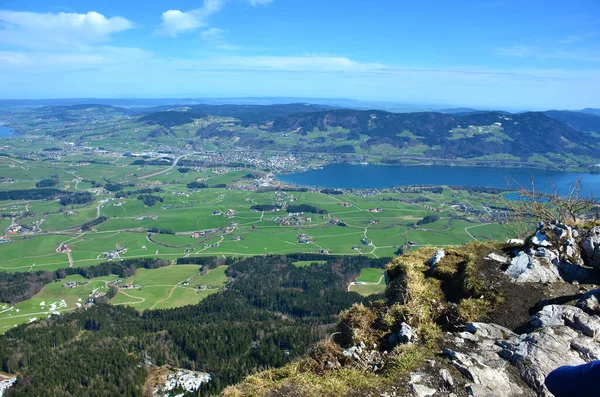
pixel 511 54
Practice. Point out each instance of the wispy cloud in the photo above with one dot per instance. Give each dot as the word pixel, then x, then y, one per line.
pixel 177 22
pixel 43 30
pixel 589 55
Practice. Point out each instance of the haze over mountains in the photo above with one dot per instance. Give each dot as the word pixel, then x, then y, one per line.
pixel 447 134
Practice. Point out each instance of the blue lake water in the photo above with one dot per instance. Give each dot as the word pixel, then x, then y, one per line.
pixel 5 132
pixel 350 176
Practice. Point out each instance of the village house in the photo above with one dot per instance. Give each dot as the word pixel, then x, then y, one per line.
pixel 70 284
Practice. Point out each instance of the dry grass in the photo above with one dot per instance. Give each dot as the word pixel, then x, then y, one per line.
pixel 416 295
pixel 473 309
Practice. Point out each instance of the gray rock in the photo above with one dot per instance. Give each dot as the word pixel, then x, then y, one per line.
pixel 515 241
pixel 526 269
pixel 437 257
pixel 540 240
pixel 557 315
pixel 590 301
pixel 486 369
pixel 591 247
pixel 422 390
pixel 446 377
pixel 490 331
pixel 406 334
pixel 497 258
pixel 537 354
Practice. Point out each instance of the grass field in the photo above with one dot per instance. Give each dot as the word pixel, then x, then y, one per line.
pixel 159 289
pixel 373 280
pixel 243 231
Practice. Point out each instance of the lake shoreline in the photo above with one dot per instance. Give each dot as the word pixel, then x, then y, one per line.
pixel 376 177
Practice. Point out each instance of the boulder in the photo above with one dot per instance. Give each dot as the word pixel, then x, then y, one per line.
pixel 515 241
pixel 422 390
pixel 406 334
pixel 497 258
pixel 558 315
pixel 490 331
pixel 540 352
pixel 437 257
pixel 591 247
pixel 540 239
pixel 525 268
pixel 590 302
pixel 486 369
pixel 447 378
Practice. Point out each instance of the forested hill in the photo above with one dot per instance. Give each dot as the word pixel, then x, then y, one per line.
pixel 586 122
pixel 266 317
pixel 469 135
pixel 441 135
pixel 246 114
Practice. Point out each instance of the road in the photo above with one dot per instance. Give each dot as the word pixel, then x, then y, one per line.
pixel 167 169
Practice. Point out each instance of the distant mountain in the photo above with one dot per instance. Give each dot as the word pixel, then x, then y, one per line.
pixel 458 110
pixel 591 111
pixel 472 135
pixel 586 122
pixel 246 114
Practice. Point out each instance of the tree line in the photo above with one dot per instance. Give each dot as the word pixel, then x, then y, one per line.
pixel 267 316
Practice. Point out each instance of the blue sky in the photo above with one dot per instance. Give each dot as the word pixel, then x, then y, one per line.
pixel 494 53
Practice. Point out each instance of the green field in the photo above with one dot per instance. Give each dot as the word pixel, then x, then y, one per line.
pixel 158 289
pixel 373 280
pixel 370 275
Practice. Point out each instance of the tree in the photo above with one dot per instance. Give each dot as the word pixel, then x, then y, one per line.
pixel 552 207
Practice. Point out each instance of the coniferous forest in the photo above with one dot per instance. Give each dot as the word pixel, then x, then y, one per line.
pixel 267 315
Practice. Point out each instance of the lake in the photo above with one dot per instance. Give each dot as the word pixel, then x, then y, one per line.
pixel 5 132
pixel 349 176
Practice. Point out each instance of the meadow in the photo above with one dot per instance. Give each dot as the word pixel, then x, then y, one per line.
pixel 162 288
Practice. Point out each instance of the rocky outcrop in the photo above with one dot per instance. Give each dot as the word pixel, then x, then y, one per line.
pixel 525 268
pixel 494 357
pixel 590 302
pixel 553 254
pixel 591 247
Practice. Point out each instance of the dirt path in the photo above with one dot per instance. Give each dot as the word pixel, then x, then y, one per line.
pixel 140 300
pixel 164 299
pixel 364 283
pixel 471 227
pixel 167 169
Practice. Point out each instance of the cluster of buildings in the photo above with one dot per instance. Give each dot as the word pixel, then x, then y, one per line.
pixel 63 249
pixel 292 220
pixel 304 238
pixel 115 254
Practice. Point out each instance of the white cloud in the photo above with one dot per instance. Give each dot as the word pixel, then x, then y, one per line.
pixel 42 30
pixel 176 22
pixel 214 34
pixel 521 51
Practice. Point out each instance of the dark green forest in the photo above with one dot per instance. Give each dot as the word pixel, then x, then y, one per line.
pixel 267 316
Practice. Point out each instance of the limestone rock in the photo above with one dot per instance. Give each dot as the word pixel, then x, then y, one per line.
pixel 422 390
pixel 437 257
pixel 497 258
pixel 540 240
pixel 515 241
pixel 555 315
pixel 406 334
pixel 490 331
pixel 446 377
pixel 590 302
pixel 486 369
pixel 540 352
pixel 526 269
pixel 591 247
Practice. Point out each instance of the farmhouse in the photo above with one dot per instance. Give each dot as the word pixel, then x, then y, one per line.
pixel 70 284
